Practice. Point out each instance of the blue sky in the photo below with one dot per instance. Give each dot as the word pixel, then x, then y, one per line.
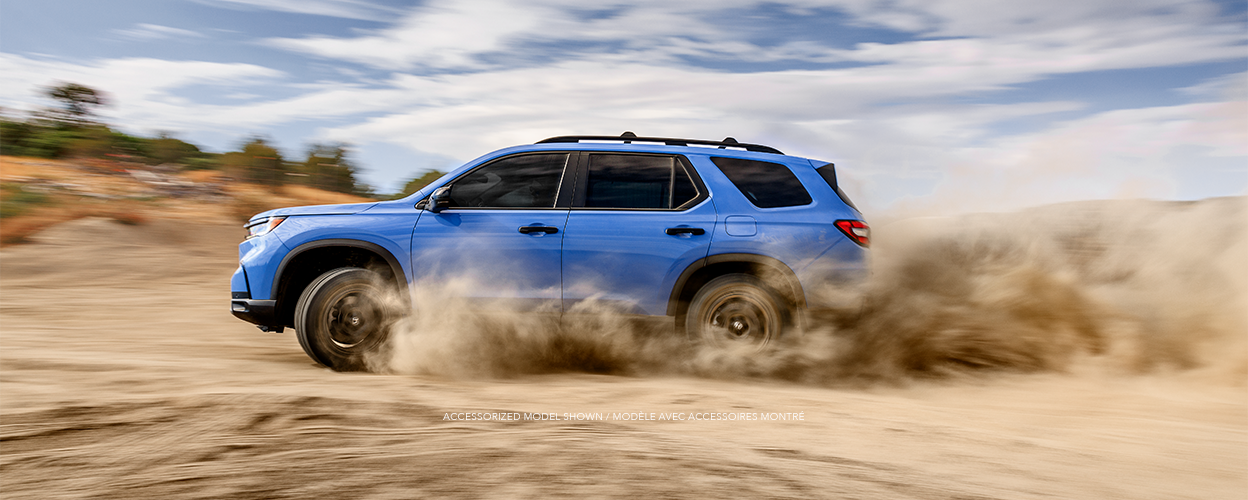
pixel 925 105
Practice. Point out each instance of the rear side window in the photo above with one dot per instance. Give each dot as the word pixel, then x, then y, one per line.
pixel 637 181
pixel 523 181
pixel 765 184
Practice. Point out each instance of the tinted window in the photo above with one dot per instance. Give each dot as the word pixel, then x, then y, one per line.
pixel 765 184
pixel 683 187
pixel 828 172
pixel 637 181
pixel 524 181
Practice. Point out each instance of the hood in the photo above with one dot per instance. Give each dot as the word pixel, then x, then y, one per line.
pixel 346 209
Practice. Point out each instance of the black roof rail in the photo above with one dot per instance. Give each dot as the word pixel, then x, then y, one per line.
pixel 629 138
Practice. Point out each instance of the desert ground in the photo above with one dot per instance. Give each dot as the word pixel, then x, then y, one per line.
pixel 123 375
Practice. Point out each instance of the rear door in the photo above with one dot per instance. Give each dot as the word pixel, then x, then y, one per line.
pixel 772 212
pixel 637 221
pixel 500 239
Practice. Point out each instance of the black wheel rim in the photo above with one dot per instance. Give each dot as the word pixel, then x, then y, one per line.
pixel 737 318
pixel 353 318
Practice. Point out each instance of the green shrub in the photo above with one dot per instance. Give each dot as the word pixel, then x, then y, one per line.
pixel 15 201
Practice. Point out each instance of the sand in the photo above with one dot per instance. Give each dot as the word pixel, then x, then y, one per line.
pixel 123 375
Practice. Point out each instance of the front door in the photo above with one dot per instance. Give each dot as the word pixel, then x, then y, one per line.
pixel 499 241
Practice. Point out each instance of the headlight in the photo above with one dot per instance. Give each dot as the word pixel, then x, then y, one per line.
pixel 263 226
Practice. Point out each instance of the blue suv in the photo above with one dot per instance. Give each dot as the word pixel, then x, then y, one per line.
pixel 731 240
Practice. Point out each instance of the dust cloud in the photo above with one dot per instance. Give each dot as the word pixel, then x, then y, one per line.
pixel 974 371
pixel 448 335
pixel 1125 287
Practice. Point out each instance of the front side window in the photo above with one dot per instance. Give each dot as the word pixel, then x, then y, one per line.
pixel 638 182
pixel 523 181
pixel 765 184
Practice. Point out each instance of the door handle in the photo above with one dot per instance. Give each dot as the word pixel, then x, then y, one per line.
pixel 538 229
pixel 697 231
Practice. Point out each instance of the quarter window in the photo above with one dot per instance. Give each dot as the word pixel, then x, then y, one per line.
pixel 524 181
pixel 828 172
pixel 638 181
pixel 765 184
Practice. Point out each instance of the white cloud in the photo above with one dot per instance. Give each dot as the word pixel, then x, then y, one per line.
pixel 147 32
pixel 466 113
pixel 638 81
pixel 139 88
pixel 1232 87
pixel 1076 35
pixel 439 35
pixel 459 34
pixel 1143 152
pixel 348 9
pixel 465 83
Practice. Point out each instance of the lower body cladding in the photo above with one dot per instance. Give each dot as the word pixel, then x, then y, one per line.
pixel 261 312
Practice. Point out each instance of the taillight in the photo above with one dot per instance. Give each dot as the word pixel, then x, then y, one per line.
pixel 856 230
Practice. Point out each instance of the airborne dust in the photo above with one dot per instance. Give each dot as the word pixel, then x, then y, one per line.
pixel 123 375
pixel 1113 286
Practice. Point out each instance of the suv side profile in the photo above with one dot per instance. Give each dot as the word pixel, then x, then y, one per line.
pixel 729 240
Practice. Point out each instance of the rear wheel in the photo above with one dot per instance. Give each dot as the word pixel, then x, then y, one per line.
pixel 736 310
pixel 343 317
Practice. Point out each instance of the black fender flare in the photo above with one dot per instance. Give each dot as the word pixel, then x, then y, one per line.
pixel 395 267
pixel 786 274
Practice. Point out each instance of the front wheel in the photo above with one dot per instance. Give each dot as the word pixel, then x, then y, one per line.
pixel 736 310
pixel 343 318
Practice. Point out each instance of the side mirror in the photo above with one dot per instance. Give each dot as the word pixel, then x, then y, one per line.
pixel 440 199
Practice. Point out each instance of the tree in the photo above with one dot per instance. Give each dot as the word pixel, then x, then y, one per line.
pixel 166 149
pixel 15 138
pixel 78 103
pixel 329 167
pixel 419 182
pixel 258 162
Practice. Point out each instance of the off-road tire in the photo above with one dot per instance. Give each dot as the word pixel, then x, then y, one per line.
pixel 736 309
pixel 343 317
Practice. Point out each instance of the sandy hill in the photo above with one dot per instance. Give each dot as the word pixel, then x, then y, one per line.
pixel 37 193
